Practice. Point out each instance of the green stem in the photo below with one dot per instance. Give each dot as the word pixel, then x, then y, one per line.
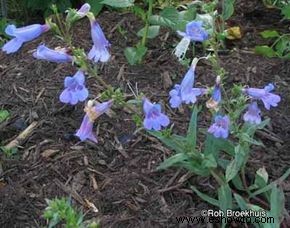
pixel 99 79
pixel 149 13
pixel 217 177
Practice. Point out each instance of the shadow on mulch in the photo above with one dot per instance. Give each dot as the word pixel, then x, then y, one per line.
pixel 118 174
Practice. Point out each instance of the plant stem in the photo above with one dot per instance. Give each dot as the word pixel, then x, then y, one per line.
pixel 149 13
pixel 217 177
pixel 99 79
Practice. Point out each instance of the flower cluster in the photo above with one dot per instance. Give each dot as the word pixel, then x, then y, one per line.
pixel 75 90
pixel 187 93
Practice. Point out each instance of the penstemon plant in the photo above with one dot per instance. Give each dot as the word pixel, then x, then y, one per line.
pixel 75 90
pixel 226 149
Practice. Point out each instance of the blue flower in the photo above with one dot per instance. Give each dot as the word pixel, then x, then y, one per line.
pixel 75 89
pixel 154 119
pixel 269 99
pixel 83 11
pixel 48 54
pixel 216 97
pixel 253 114
pixel 99 51
pixel 220 128
pixel 195 31
pixel 185 93
pixel 92 113
pixel 22 35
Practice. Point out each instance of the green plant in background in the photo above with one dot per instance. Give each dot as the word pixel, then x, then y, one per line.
pixel 279 48
pixel 168 17
pixel 283 5
pixel 61 211
pixel 4 115
pixel 225 159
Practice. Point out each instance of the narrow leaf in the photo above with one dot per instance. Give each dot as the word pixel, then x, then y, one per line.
pixel 205 197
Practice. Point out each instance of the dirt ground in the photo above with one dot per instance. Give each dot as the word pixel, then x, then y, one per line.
pixel 119 175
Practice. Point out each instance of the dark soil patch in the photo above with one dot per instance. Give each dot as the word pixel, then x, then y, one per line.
pixel 129 193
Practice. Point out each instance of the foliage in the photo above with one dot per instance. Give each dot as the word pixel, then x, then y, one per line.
pixel 61 210
pixel 279 48
pixel 4 114
pixel 283 5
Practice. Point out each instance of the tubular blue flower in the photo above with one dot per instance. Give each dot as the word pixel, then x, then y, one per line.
pixel 92 113
pixel 22 35
pixel 99 51
pixel 154 119
pixel 269 99
pixel 216 97
pixel 83 11
pixel 57 56
pixel 220 128
pixel 75 89
pixel 185 93
pixel 195 32
pixel 253 115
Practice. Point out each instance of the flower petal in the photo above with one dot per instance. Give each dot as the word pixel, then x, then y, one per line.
pixel 12 45
pixel 65 96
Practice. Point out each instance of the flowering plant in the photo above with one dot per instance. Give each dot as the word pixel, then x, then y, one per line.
pixel 236 116
pixel 228 139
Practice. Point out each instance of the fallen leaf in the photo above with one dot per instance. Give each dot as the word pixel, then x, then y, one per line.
pixel 49 153
pixel 167 82
pixel 234 33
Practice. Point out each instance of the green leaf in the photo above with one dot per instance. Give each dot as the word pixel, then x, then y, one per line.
pixel 269 34
pixel 241 202
pixel 237 182
pixel 168 17
pixel 188 15
pixel 261 178
pixel 209 161
pixel 96 6
pixel 153 31
pixel 246 138
pixel 175 142
pixel 4 114
pixel 225 199
pixel 286 11
pixel 283 46
pixel 173 160
pixel 192 130
pixel 135 55
pixel 118 3
pixel 250 129
pixel 138 11
pixel 228 9
pixel 205 197
pixel 266 51
pixel 270 186
pixel 215 145
pixel 236 164
pixel 277 205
